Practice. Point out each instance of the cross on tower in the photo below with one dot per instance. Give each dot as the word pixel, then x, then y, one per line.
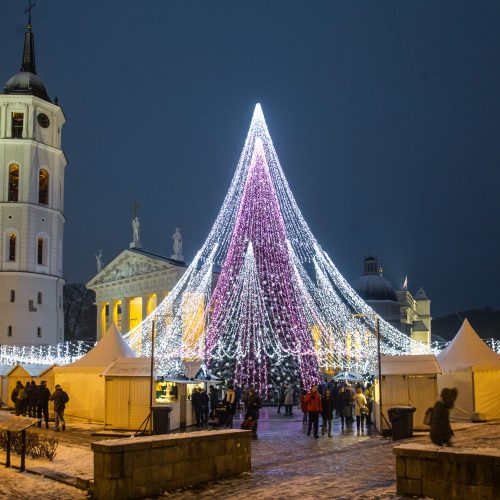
pixel 28 11
pixel 134 207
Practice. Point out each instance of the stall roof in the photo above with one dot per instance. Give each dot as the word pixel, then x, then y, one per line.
pixel 418 364
pixel 33 370
pixel 467 350
pixel 129 367
pixel 6 369
pixel 109 348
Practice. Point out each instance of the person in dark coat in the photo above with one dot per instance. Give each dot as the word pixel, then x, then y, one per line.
pixel 345 401
pixel 214 399
pixel 281 400
pixel 196 404
pixel 254 404
pixel 31 392
pixel 441 432
pixel 328 405
pixel 42 403
pixel 204 406
pixel 19 397
pixel 60 399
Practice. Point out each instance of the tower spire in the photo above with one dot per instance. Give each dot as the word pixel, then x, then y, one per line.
pixel 28 63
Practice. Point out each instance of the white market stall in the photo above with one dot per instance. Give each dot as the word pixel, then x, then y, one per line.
pixel 127 386
pixel 4 383
pixel 474 369
pixel 407 380
pixel 25 373
pixel 82 379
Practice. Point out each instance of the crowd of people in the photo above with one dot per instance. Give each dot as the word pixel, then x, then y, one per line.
pixel 32 400
pixel 328 399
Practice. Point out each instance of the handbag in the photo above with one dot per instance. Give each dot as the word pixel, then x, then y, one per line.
pixel 362 409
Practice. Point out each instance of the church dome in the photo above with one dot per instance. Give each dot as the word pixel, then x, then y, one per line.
pixel 372 285
pixel 26 83
pixel 375 287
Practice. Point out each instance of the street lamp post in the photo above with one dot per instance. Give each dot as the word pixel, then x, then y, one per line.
pixel 379 360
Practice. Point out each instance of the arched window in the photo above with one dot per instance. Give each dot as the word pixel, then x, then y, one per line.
pixel 13 194
pixel 43 187
pixel 39 251
pixel 12 247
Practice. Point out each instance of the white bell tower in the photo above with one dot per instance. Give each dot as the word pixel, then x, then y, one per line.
pixel 32 167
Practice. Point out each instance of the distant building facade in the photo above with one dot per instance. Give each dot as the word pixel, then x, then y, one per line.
pixel 411 314
pixel 133 284
pixel 32 166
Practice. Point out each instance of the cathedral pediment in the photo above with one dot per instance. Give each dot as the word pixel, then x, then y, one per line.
pixel 131 264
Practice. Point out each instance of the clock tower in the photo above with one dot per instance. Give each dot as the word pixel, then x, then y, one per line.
pixel 32 167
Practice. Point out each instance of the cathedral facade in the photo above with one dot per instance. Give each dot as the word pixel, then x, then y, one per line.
pixel 411 314
pixel 134 283
pixel 32 166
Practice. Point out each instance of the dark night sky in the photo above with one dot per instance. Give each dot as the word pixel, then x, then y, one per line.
pixel 385 115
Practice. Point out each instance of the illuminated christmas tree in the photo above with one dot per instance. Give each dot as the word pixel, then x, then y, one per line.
pixel 280 311
pixel 258 331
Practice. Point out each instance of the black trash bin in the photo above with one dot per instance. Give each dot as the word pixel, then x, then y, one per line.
pixel 401 418
pixel 161 419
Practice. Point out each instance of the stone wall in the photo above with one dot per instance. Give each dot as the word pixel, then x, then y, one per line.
pixel 145 466
pixel 447 473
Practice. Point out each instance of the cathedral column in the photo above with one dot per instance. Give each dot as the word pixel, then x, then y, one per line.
pixel 146 305
pixel 125 315
pixel 101 319
pixel 113 312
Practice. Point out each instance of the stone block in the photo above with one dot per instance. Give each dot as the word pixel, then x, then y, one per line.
pixel 182 469
pixel 115 470
pixel 400 466
pixel 410 487
pixel 481 492
pixel 141 491
pixel 128 465
pixel 98 464
pixel 156 456
pixel 432 469
pixel 169 455
pixel 413 468
pixel 402 486
pixel 230 446
pixel 141 458
pixel 433 488
pixel 199 449
pixel 217 447
pixel 141 475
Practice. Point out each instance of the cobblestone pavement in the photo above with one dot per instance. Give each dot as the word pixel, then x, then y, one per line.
pixel 286 464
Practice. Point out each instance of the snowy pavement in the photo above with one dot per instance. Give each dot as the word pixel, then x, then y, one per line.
pixel 286 463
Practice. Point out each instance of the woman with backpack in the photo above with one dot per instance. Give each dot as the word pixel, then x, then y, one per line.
pixel 19 397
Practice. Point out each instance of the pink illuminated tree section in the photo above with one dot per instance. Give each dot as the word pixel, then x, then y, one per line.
pixel 258 333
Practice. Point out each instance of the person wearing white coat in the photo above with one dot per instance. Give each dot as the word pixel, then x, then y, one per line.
pixel 289 400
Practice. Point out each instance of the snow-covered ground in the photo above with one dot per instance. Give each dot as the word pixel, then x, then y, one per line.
pixel 286 463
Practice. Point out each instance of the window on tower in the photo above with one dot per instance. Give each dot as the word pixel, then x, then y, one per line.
pixel 9 331
pixel 12 247
pixel 43 187
pixel 39 332
pixel 13 182
pixel 39 297
pixel 17 125
pixel 39 251
pixel 12 295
